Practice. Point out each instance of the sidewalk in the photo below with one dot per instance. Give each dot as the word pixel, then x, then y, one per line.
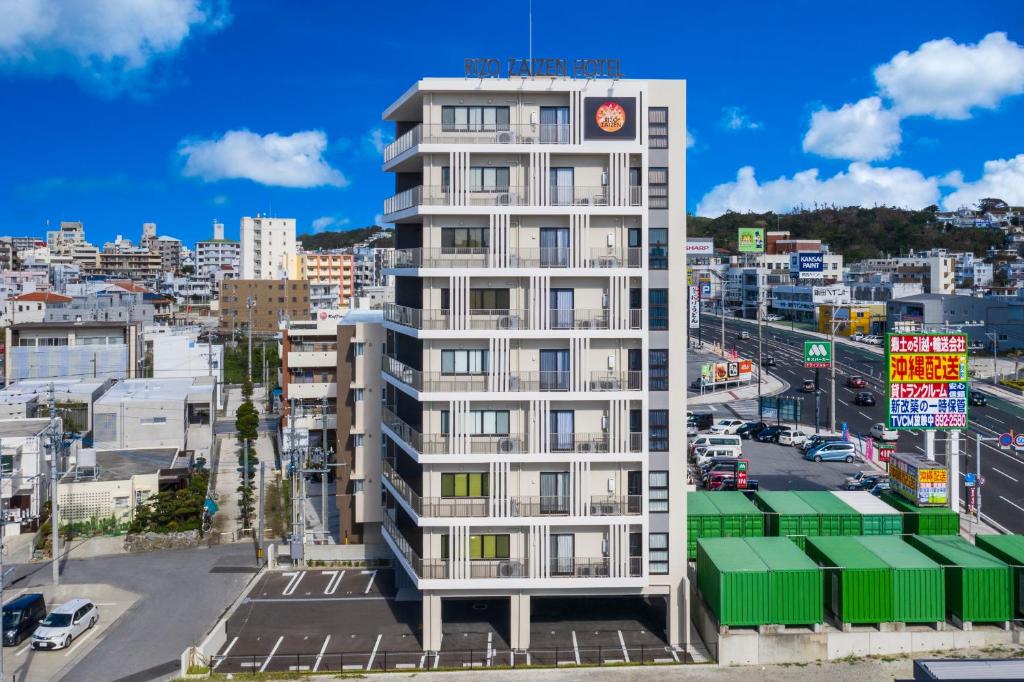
pixel 228 521
pixel 770 385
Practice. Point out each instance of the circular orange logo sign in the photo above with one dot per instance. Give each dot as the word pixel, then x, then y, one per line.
pixel 610 117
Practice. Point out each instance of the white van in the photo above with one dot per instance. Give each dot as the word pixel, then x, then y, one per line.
pixel 718 451
pixel 704 441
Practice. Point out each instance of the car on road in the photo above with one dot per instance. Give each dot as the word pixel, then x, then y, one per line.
pixel 743 336
pixel 817 439
pixel 774 318
pixel 769 361
pixel 769 434
pixel 977 399
pixel 21 616
pixel 839 451
pixel 856 382
pixel 792 437
pixel 872 340
pixel 865 398
pixel 881 432
pixel 750 429
pixel 863 480
pixel 729 426
pixel 879 488
pixel 809 386
pixel 64 623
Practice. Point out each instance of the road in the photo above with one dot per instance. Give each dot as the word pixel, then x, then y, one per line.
pixel 1003 471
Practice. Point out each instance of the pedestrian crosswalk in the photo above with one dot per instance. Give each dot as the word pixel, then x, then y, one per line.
pixel 741 409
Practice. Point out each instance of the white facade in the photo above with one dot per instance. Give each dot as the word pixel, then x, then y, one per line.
pixel 217 255
pixel 24 449
pixel 265 245
pixel 525 455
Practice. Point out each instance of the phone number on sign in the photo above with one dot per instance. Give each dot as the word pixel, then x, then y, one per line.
pixel 951 420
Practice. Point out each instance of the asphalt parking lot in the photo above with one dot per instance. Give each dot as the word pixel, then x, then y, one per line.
pixel 318 620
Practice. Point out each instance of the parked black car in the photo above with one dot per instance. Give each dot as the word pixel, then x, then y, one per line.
pixel 21 617
pixel 769 434
pixel 865 398
pixel 702 420
pixel 750 429
pixel 978 399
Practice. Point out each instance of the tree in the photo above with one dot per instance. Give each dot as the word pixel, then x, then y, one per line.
pixel 247 387
pixel 173 510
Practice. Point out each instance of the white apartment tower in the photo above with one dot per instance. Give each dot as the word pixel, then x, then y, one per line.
pixel 532 447
pixel 265 243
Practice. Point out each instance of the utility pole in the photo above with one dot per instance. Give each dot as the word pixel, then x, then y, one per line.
pixel 259 525
pixel 55 449
pixel 323 475
pixel 995 352
pixel 760 347
pixel 832 361
pixel 250 303
pixel 245 482
pixel 292 466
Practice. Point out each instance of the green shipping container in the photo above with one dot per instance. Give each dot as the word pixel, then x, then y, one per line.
pixel 722 514
pixel 786 515
pixel 876 517
pixel 923 520
pixel 978 586
pixel 1008 548
pixel 837 517
pixel 918 586
pixel 858 583
pixel 758 581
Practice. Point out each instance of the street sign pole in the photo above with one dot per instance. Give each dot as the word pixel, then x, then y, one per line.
pixel 817 401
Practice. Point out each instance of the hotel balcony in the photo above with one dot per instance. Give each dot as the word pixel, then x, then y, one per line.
pixel 441 195
pixel 555 445
pixel 478 134
pixel 555 257
pixel 509 320
pixel 501 382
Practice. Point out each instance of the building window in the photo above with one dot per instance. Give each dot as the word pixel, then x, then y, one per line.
pixel 657 372
pixel 480 422
pixel 464 361
pixel 357 485
pixel 473 118
pixel 121 501
pixel 358 349
pixel 657 309
pixel 657 256
pixel 154 420
pixel 491 546
pixel 657 426
pixel 481 299
pixel 465 485
pixel 464 238
pixel 357 394
pixel 657 491
pixel 357 440
pixel 488 178
pixel 657 558
pixel 657 127
pixel 657 187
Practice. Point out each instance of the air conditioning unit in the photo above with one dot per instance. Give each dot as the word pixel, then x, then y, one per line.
pixel 506 445
pixel 510 569
pixel 506 137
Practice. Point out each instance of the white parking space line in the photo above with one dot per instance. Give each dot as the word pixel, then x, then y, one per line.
pixel 271 654
pixel 332 584
pixel 320 656
pixel 625 651
pixel 373 654
pixel 490 650
pixel 1005 474
pixel 1009 502
pixel 29 646
pixel 226 651
pixel 296 578
pixel 82 639
pixel 575 646
pixel 373 574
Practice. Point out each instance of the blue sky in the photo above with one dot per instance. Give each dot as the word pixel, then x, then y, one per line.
pixel 182 111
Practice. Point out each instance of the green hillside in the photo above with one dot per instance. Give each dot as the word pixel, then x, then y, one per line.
pixel 323 241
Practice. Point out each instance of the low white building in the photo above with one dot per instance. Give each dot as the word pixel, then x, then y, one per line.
pixel 74 399
pixel 156 413
pixel 25 462
pixel 177 356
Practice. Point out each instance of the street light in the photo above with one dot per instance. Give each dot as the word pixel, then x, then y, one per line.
pixel 995 351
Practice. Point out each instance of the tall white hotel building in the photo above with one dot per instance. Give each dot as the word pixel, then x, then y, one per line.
pixel 532 445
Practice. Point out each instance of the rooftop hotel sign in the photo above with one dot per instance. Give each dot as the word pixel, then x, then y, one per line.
pixel 556 68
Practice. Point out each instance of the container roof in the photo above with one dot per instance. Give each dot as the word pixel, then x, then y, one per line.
pixel 895 551
pixel 953 550
pixel 864 502
pixel 733 502
pixel 780 554
pixel 824 502
pixel 698 502
pixel 846 552
pixel 733 554
pixel 785 502
pixel 1011 545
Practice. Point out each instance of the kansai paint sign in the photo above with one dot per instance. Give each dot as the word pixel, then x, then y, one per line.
pixel 926 381
pixel 807 265
pixel 609 118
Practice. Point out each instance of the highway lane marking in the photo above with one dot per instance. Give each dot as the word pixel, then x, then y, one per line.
pixel 575 645
pixel 320 657
pixel 1009 502
pixel 271 654
pixel 989 416
pixel 226 651
pixel 625 651
pixel 919 448
pixel 1005 474
pixel 296 578
pixel 860 413
pixel 373 654
pixel 373 574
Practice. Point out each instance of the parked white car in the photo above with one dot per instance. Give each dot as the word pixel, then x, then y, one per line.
pixel 64 623
pixel 729 426
pixel 857 336
pixel 774 318
pixel 793 437
pixel 880 432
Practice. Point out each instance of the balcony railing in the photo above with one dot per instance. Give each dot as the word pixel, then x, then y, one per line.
pixel 429 569
pixel 574 318
pixel 512 195
pixel 511 382
pixel 480 257
pixel 480 133
pixel 580 567
pixel 616 505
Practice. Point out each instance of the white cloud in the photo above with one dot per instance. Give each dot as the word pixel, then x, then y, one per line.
pixel 945 79
pixel 323 222
pixel 860 185
pixel 1002 179
pixel 108 45
pixel 690 141
pixel 864 131
pixel 377 139
pixel 294 160
pixel 734 118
